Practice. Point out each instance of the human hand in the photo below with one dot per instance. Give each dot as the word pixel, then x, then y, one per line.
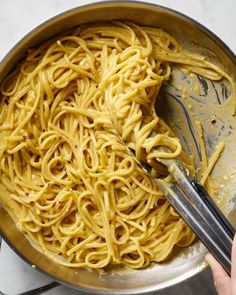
pixel 225 285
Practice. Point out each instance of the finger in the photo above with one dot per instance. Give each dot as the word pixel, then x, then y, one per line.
pixel 233 268
pixel 221 278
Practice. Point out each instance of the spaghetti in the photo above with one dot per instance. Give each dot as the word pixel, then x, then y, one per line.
pixel 72 185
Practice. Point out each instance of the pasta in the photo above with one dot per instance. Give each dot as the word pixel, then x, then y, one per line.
pixel 74 189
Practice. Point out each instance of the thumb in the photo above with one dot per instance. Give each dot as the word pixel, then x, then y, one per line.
pixel 221 278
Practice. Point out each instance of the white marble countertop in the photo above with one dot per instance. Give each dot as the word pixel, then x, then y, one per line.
pixel 18 17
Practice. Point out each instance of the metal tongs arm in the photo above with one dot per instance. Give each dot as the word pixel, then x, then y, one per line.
pixel 196 207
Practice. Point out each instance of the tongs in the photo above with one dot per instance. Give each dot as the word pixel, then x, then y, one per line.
pixel 195 206
pixel 192 202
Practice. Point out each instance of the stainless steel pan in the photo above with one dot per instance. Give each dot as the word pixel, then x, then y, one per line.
pixel 209 106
